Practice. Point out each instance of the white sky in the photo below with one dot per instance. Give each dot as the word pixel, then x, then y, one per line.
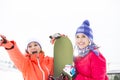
pixel 22 19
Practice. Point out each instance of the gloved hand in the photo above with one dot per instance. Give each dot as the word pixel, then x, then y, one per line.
pixel 3 40
pixel 70 70
pixel 5 43
pixel 55 36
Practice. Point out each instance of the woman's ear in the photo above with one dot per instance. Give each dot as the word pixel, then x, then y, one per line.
pixel 90 42
pixel 26 51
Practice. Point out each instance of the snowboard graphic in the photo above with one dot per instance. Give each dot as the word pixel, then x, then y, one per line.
pixel 63 54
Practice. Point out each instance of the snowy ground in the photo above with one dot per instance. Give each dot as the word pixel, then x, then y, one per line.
pixel 10 75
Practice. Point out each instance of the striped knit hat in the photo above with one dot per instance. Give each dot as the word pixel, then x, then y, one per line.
pixel 85 29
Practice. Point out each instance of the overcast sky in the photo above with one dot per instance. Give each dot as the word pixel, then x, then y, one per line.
pixel 22 19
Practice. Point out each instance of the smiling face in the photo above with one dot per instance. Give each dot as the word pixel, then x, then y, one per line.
pixel 33 48
pixel 82 40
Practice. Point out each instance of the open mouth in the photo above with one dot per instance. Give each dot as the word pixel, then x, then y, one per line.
pixel 34 52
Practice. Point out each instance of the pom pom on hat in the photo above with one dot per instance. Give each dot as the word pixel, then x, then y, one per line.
pixel 32 40
pixel 85 29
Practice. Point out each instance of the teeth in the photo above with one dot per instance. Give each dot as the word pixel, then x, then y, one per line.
pixel 0 39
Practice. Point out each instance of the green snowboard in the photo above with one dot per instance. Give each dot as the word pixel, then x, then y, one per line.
pixel 63 54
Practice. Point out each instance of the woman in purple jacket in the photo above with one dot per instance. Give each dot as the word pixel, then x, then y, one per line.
pixel 89 63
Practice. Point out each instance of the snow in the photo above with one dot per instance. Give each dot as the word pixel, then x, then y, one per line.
pixel 10 75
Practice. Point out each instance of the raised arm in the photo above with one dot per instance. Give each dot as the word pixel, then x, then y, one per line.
pixel 15 54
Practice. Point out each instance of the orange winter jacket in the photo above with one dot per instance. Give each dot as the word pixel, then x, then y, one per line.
pixel 33 67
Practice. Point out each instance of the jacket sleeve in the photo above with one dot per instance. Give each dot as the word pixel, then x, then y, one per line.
pixel 98 69
pixel 98 66
pixel 17 57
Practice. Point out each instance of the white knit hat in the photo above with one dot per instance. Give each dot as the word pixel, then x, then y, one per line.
pixel 32 40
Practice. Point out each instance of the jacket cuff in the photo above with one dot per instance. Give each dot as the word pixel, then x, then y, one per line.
pixel 9 45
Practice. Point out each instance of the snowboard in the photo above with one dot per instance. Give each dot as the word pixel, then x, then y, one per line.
pixel 63 55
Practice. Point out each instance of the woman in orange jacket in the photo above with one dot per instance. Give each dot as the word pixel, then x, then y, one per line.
pixel 34 65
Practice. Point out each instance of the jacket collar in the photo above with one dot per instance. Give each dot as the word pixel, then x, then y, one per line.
pixel 33 57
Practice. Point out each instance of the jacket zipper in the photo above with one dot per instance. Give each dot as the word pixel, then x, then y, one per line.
pixel 43 75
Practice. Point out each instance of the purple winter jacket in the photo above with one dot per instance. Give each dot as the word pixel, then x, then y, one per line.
pixel 90 67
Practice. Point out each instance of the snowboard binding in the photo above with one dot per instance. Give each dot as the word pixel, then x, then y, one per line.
pixel 61 77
